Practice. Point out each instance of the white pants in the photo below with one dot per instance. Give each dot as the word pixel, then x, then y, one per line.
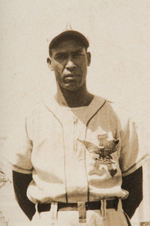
pixel 71 218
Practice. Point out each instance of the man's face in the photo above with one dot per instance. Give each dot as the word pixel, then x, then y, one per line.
pixel 69 62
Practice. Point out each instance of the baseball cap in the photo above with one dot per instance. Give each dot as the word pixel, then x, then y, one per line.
pixel 69 34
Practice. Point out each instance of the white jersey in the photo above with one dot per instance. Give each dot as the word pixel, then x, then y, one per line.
pixel 57 145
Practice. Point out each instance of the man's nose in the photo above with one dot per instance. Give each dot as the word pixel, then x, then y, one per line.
pixel 70 64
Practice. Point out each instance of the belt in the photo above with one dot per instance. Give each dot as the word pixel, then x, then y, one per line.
pixel 110 204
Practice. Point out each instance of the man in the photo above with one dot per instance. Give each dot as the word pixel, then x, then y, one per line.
pixel 76 159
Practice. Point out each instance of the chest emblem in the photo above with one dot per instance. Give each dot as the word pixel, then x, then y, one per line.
pixel 102 153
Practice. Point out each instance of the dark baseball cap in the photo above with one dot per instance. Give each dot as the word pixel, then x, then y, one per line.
pixel 67 35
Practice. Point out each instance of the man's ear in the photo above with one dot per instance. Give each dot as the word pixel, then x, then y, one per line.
pixel 49 63
pixel 89 58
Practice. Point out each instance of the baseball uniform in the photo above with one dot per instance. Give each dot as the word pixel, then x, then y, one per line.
pixel 77 155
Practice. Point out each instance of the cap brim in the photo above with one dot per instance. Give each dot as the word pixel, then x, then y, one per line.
pixel 69 34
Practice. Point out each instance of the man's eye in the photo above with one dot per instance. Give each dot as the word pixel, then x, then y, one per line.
pixel 78 54
pixel 61 57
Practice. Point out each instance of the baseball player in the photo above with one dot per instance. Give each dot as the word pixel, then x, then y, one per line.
pixel 76 159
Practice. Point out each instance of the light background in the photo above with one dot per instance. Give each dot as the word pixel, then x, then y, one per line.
pixel 119 35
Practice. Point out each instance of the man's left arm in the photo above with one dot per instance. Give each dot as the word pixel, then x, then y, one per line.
pixel 131 161
pixel 133 183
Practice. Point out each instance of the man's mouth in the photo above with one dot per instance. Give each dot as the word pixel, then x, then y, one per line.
pixel 70 78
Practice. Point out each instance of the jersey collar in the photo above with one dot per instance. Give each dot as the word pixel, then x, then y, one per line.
pixel 61 112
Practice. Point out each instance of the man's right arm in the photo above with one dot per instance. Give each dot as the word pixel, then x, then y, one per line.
pixel 20 183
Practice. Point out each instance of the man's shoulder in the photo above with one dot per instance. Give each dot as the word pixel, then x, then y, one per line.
pixel 107 103
pixel 35 110
pixel 115 109
pixel 122 112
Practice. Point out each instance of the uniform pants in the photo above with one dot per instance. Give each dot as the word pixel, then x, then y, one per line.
pixel 69 217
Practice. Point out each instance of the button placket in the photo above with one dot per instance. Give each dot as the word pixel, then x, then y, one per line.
pixel 75 133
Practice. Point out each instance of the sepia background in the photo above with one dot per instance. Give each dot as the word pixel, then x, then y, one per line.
pixel 119 35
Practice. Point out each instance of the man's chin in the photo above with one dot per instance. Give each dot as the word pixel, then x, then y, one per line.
pixel 71 87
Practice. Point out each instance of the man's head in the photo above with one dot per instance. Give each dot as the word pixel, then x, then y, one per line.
pixel 69 59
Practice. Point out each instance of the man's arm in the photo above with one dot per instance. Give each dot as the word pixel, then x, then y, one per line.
pixel 20 183
pixel 133 184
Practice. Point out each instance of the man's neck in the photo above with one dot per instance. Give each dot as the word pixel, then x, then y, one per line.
pixel 77 98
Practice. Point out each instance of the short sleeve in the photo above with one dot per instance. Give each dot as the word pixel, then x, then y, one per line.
pixel 131 157
pixel 19 148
